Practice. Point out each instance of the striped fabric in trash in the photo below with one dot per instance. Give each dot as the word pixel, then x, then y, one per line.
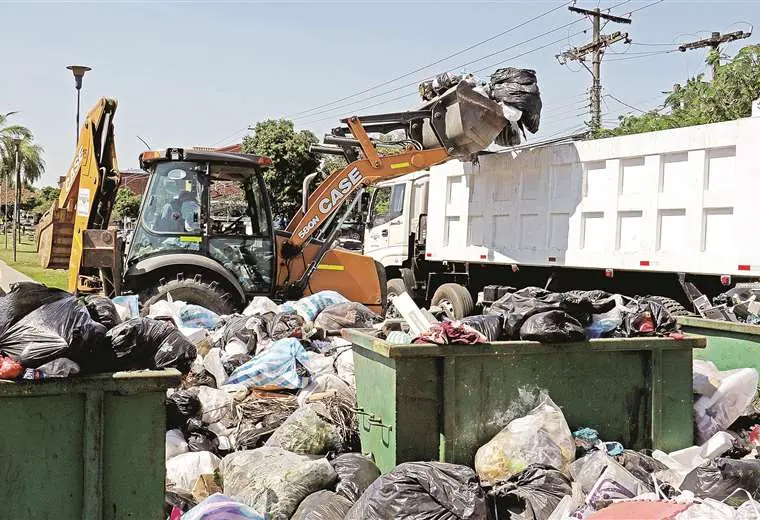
pixel 275 366
pixel 221 507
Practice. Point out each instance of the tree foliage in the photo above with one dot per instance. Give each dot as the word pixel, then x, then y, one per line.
pixel 127 204
pixel 291 161
pixel 728 96
pixel 43 199
pixel 30 154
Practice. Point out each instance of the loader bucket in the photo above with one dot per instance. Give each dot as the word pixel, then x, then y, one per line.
pixel 54 235
pixel 464 121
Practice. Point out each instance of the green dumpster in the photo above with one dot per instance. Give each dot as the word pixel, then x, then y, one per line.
pixel 729 345
pixel 442 402
pixel 85 448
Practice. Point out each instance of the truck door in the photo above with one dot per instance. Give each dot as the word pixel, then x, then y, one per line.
pixel 385 230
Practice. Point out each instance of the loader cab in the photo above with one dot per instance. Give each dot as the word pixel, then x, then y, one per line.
pixel 205 215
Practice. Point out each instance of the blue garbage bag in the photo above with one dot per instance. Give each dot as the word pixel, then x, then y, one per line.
pixel 310 306
pixel 276 366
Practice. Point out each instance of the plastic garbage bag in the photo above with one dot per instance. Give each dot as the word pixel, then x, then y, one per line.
pixel 614 483
pixel 198 317
pixel 717 412
pixel 647 317
pixel 640 465
pixel 519 88
pixel 276 367
pixel 541 437
pixel 61 367
pixel 141 343
pixel 221 507
pixel 324 384
pixel 231 363
pixel 488 325
pixel 705 377
pixel 322 505
pixel 606 323
pixel 23 298
pixel 102 310
pixel 212 362
pixel 320 364
pixel 181 406
pixel 261 305
pixel 423 491
pixel 355 474
pixel 708 510
pixel 349 315
pixel 749 510
pixel 344 366
pixel 131 302
pixel 274 481
pixel 586 470
pixel 234 327
pixel 719 478
pixel 176 502
pixel 10 368
pixel 305 432
pixel 532 494
pixel 200 438
pixel 175 443
pixel 182 471
pixel 215 404
pixel 552 327
pixel 61 328
pixel 309 307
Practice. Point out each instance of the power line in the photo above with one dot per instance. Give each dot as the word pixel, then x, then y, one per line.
pixel 457 53
pixel 417 82
pixel 625 104
pixel 645 55
pixel 629 13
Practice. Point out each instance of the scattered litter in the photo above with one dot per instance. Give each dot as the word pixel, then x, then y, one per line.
pixel 182 471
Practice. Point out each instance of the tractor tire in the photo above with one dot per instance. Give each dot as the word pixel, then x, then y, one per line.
pixel 454 299
pixel 395 287
pixel 194 290
pixel 673 307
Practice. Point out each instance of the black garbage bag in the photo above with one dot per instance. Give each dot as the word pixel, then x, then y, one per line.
pixel 552 327
pixel 61 367
pixel 347 315
pixel 423 491
pixel 235 361
pixel 488 325
pixel 514 75
pixel 720 477
pixel 102 310
pixel 141 343
pixel 181 406
pixel 180 499
pixel 200 438
pixel 23 298
pixel 355 474
pixel 519 88
pixel 322 505
pixel 61 328
pixel 647 317
pixel 532 494
pixel 234 327
pixel 640 465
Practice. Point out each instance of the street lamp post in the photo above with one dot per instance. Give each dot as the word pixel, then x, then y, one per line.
pixel 78 71
pixel 17 142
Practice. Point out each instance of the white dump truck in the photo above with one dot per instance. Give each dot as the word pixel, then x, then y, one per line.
pixel 647 214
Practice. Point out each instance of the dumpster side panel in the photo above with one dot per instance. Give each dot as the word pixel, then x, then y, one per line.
pixel 672 414
pixel 134 427
pixel 609 394
pixel 41 464
pixel 728 350
pixel 418 409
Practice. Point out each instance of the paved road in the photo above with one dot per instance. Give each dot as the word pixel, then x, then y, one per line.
pixel 8 275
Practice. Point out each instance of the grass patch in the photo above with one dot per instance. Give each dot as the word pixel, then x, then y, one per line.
pixel 28 263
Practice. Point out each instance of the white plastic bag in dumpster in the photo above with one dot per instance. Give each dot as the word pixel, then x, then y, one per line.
pixel 261 305
pixel 183 470
pixel 732 398
pixel 323 384
pixel 344 365
pixel 705 377
pixel 319 364
pixel 309 307
pixel 212 362
pixel 541 437
pixel 175 444
pixel 708 509
pixel 307 433
pixel 274 481
pixel 216 404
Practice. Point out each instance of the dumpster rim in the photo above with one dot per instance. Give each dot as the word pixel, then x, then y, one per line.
pixel 360 338
pixel 725 326
pixel 137 381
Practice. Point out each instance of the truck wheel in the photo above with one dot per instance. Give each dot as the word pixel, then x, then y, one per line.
pixel 395 286
pixel 454 299
pixel 195 290
pixel 673 307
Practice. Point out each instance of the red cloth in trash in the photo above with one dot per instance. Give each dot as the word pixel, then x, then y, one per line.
pixel 639 511
pixel 451 332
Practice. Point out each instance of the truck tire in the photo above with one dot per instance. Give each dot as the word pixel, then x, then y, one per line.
pixel 673 307
pixel 454 299
pixel 395 286
pixel 194 290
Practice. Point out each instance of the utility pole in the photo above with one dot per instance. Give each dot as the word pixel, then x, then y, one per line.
pixel 595 47
pixel 714 42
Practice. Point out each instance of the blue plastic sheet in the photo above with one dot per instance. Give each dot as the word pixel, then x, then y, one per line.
pixel 275 366
pixel 310 306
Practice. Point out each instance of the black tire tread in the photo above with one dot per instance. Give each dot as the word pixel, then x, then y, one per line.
pixel 672 306
pixel 458 295
pixel 193 290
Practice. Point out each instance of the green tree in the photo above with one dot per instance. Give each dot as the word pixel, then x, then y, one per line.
pixel 728 96
pixel 127 204
pixel 30 154
pixel 43 199
pixel 291 161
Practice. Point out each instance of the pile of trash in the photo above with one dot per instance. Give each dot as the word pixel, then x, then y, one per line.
pixel 534 314
pixel 739 304
pixel 516 90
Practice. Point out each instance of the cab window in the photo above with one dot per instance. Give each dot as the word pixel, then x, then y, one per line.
pixel 387 204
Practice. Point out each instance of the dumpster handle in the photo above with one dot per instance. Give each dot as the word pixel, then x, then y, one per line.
pixel 377 421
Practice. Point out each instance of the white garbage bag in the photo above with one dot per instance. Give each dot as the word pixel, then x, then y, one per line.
pixel 183 470
pixel 175 444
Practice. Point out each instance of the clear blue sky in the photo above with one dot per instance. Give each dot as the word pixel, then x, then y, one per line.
pixel 199 73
